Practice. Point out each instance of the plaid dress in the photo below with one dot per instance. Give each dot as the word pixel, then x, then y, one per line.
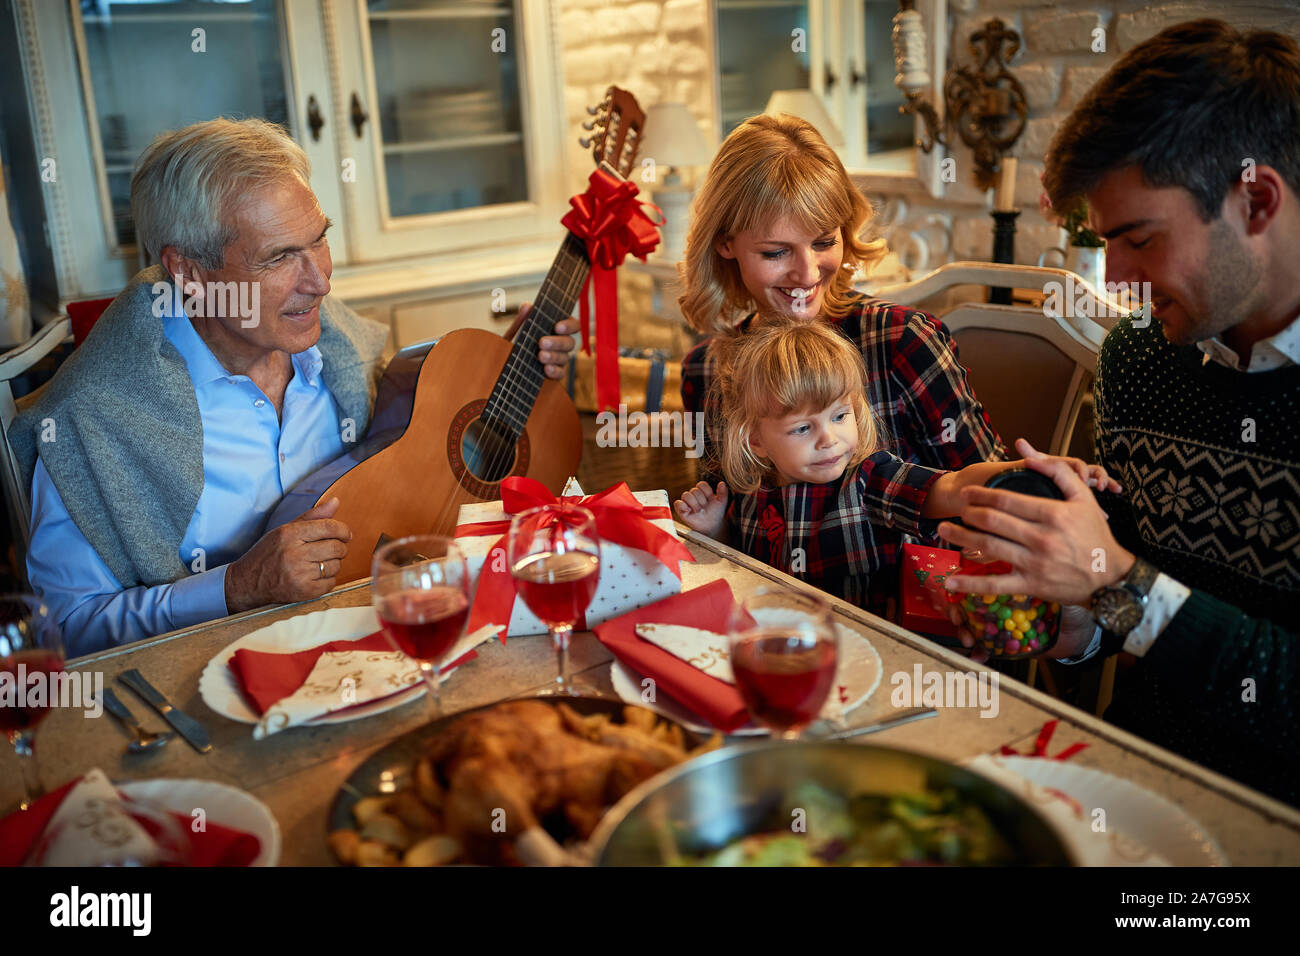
pixel 915 383
pixel 844 536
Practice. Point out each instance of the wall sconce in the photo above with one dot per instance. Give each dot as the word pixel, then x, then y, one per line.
pixel 987 104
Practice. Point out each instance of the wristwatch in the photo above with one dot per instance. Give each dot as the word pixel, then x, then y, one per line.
pixel 1119 607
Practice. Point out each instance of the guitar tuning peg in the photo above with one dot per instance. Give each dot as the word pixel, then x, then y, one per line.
pixel 584 142
pixel 592 110
pixel 588 126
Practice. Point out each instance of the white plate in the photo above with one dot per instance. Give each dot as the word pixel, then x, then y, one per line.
pixel 859 671
pixel 1136 818
pixel 229 806
pixel 221 692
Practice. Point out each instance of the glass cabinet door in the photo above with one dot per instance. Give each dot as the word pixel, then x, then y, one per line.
pixel 151 67
pixel 446 78
pixel 759 52
pixel 888 131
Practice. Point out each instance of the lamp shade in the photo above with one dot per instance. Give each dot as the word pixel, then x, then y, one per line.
pixel 808 106
pixel 673 137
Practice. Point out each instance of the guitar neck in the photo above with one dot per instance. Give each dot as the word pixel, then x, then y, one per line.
pixel 515 392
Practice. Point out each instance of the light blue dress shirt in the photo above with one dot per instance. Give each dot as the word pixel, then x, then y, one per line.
pixel 250 458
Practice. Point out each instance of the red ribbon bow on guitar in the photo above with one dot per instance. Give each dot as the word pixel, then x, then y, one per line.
pixel 609 217
pixel 620 519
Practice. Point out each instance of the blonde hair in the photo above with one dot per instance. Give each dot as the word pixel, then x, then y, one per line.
pixel 187 181
pixel 768 168
pixel 784 367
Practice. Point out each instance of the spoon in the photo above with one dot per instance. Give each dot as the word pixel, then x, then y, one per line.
pixel 144 740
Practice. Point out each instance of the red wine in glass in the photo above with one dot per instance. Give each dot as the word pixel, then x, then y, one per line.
pixel 21 666
pixel 30 643
pixel 420 589
pixel 554 554
pixel 558 587
pixel 783 676
pixel 425 623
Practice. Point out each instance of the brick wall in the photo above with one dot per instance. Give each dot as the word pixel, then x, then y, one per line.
pixel 660 50
pixel 1056 64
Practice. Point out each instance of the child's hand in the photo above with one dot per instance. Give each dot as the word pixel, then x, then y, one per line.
pixel 1094 476
pixel 702 509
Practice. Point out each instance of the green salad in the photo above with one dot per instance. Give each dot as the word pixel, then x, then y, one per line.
pixel 828 829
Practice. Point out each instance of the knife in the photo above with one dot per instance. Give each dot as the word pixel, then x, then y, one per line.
pixel 185 725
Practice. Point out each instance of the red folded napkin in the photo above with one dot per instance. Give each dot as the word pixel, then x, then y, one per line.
pixel 216 845
pixel 267 677
pixel 706 607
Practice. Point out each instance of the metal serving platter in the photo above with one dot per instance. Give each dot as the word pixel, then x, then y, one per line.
pixel 390 768
pixel 706 803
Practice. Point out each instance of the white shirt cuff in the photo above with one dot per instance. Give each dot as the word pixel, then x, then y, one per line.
pixel 1089 652
pixel 1164 600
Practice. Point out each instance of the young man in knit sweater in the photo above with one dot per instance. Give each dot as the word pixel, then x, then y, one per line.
pixel 1188 153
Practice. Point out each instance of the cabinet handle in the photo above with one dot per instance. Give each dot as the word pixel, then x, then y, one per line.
pixel 855 77
pixel 359 114
pixel 831 79
pixel 314 120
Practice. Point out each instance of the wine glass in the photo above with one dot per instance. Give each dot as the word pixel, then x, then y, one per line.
pixel 784 652
pixel 420 589
pixel 554 556
pixel 30 643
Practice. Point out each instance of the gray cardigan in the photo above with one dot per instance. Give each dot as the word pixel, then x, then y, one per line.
pixel 127 448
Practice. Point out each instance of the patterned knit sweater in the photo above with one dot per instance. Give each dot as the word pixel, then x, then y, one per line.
pixel 1210 462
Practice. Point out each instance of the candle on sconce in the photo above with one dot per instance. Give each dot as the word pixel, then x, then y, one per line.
pixel 1004 199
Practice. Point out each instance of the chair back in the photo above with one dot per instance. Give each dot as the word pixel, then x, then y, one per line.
pixel 84 315
pixel 1031 367
pixel 18 361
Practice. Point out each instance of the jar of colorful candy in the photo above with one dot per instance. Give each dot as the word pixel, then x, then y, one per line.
pixel 1007 625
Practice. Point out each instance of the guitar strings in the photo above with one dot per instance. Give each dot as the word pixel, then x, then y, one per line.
pixel 568 274
pixel 569 271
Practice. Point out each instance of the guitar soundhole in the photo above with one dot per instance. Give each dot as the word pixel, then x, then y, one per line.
pixel 489 453
pixel 482 454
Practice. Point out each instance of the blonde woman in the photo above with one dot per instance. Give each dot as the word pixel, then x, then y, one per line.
pixel 777 231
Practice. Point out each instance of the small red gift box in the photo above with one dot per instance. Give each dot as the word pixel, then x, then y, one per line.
pixel 924 604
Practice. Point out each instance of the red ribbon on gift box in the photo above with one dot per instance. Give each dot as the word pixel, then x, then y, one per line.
pixel 620 519
pixel 609 217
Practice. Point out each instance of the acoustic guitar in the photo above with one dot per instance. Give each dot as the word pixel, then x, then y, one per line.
pixel 455 417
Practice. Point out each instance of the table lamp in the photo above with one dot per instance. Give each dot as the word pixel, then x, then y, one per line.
pixel 808 106
pixel 673 140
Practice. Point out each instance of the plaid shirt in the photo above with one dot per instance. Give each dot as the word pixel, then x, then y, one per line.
pixel 915 383
pixel 844 536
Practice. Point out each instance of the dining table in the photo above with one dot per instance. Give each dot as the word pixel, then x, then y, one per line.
pixel 297 772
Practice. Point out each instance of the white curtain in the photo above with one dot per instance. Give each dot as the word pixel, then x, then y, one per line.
pixel 15 307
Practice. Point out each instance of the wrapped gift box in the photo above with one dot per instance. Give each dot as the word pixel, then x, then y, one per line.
pixel 924 601
pixel 648 381
pixel 629 577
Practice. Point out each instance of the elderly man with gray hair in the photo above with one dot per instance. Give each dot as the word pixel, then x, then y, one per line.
pixel 214 383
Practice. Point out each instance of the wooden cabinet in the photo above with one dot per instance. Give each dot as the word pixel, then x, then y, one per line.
pixel 430 125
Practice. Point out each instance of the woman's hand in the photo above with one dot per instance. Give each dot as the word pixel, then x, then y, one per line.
pixel 702 509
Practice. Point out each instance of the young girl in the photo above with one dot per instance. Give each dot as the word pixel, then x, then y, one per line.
pixel 777 230
pixel 809 488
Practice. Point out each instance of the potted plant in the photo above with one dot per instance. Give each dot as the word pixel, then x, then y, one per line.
pixel 1085 253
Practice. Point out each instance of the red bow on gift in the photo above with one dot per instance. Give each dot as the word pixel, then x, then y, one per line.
pixel 620 519
pixel 610 218
pixel 1040 745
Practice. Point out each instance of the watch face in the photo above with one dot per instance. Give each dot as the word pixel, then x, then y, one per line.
pixel 1118 610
